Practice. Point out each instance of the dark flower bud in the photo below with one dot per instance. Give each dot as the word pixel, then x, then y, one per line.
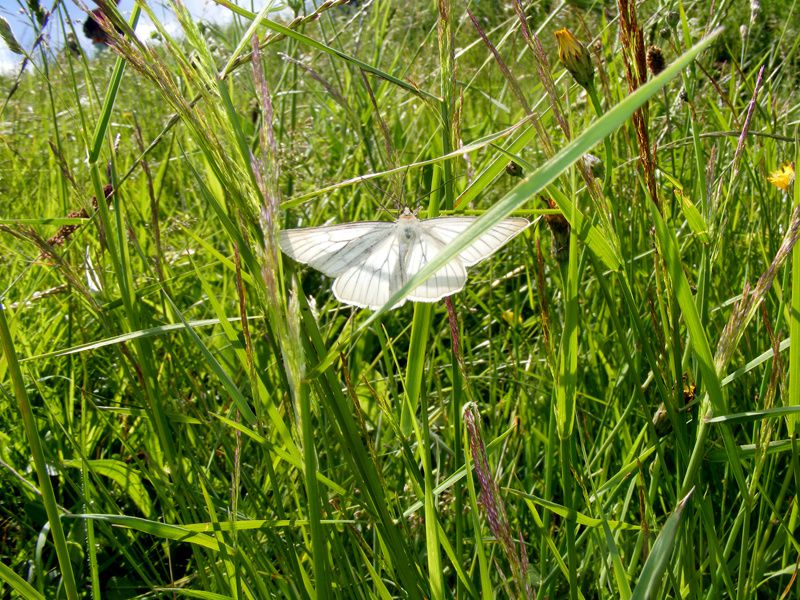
pixel 72 44
pixel 661 421
pixel 560 229
pixel 514 170
pixel 673 17
pixel 655 60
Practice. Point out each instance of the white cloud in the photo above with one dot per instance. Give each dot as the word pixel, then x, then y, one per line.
pixel 145 27
pixel 9 62
pixel 209 11
pixel 206 10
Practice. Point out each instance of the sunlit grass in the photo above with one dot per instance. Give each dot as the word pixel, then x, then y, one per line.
pixel 606 410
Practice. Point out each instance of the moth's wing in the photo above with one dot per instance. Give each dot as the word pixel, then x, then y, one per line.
pixel 446 229
pixel 333 249
pixel 372 280
pixel 448 280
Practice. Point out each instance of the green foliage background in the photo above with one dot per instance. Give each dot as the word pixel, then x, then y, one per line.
pixel 206 420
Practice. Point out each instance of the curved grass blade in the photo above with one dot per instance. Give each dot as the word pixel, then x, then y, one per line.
pixel 568 513
pixel 487 140
pixel 460 473
pixel 162 530
pixel 758 360
pixel 756 415
pixel 18 584
pixel 133 335
pixel 124 475
pixel 193 593
pixel 713 402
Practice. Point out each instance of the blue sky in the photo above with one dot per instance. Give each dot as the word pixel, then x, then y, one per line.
pixel 12 11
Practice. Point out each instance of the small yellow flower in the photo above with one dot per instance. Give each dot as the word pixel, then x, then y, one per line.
pixel 575 57
pixel 783 177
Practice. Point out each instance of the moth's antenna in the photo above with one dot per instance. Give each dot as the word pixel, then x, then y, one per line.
pixel 383 207
pixel 418 200
pixel 399 182
pixel 390 154
pixel 378 199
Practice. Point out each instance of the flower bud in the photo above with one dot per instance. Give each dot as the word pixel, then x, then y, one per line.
pixel 514 170
pixel 575 58
pixel 755 9
pixel 673 17
pixel 655 60
pixel 560 228
pixel 661 421
pixel 593 164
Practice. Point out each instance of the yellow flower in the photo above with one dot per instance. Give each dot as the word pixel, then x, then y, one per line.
pixel 783 177
pixel 575 57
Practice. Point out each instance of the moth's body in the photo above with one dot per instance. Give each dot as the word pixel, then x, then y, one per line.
pixel 371 260
pixel 407 238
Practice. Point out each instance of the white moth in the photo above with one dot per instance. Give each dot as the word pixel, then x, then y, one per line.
pixel 371 260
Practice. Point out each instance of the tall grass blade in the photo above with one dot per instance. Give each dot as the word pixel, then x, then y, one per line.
pixel 794 320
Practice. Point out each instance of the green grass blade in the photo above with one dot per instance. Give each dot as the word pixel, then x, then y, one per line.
pixel 18 584
pixel 621 578
pixel 162 530
pixel 756 415
pixel 568 513
pixel 658 560
pixel 417 355
pixel 567 374
pixel 794 319
pixel 110 98
pixel 125 476
pixel 333 401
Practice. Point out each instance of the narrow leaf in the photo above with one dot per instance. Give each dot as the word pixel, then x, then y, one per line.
pixel 659 557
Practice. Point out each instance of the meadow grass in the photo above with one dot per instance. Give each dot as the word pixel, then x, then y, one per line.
pixel 608 409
